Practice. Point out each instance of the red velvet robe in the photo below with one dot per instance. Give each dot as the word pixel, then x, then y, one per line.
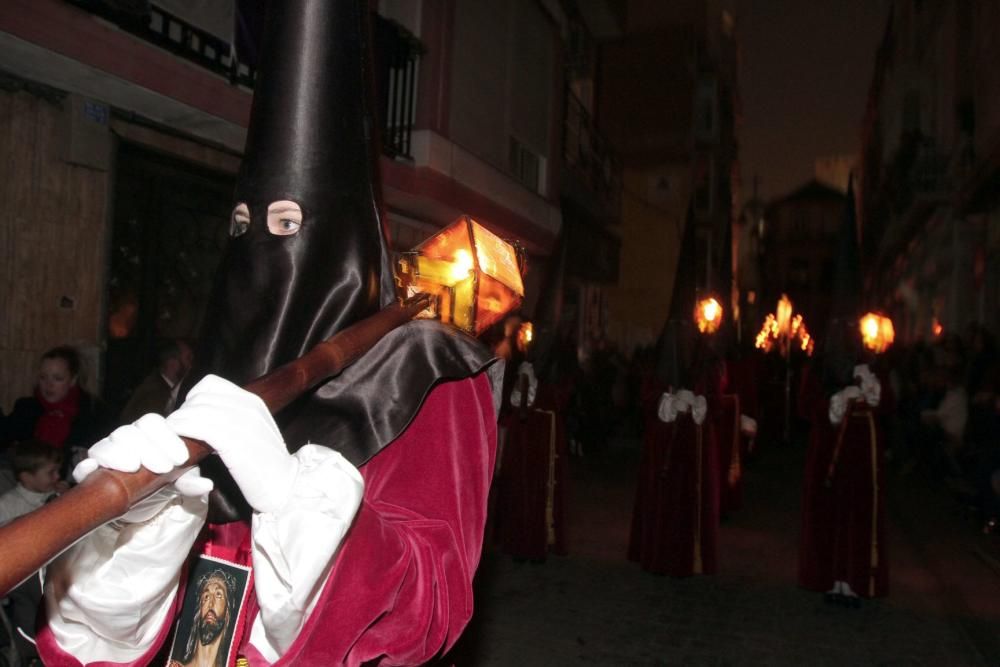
pixel 531 485
pixel 401 586
pixel 843 535
pixel 675 521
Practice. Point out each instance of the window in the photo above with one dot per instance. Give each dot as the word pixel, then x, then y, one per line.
pixel 527 167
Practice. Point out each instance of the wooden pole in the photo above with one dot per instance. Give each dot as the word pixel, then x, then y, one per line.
pixel 32 540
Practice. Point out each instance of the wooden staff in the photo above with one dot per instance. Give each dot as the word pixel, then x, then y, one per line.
pixel 32 540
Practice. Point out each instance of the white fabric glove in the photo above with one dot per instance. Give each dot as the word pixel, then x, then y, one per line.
pixel 668 408
pixel 108 595
pixel 840 401
pixel 871 388
pixel 238 426
pixel 683 401
pixel 699 408
pixel 149 443
pixel 748 426
pixel 515 396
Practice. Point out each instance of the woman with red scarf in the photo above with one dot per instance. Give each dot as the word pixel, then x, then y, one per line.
pixel 59 412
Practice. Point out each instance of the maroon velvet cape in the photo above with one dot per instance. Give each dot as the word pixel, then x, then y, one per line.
pixel 675 521
pixel 533 474
pixel 400 589
pixel 843 534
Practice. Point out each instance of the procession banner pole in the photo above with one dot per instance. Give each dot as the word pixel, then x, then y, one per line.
pixel 32 540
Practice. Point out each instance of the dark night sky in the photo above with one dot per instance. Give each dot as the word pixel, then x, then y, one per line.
pixel 806 68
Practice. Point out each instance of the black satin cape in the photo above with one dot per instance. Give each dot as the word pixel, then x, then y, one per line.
pixel 310 141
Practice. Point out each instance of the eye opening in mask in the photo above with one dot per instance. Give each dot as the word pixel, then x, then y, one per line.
pixel 239 221
pixel 284 218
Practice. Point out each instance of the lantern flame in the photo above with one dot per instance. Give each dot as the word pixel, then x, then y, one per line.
pixel 525 334
pixel 462 265
pixel 877 332
pixel 936 328
pixel 708 315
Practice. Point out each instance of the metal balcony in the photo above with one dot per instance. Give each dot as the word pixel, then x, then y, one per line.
pixel 396 54
pixel 587 156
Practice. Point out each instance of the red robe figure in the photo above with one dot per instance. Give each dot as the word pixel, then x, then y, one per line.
pixel 359 549
pixel 843 548
pixel 675 520
pixel 843 539
pixel 531 484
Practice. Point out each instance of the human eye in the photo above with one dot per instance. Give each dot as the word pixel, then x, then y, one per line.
pixel 239 221
pixel 284 218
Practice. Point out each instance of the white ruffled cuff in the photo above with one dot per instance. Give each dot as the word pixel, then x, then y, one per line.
pixel 294 549
pixel 107 597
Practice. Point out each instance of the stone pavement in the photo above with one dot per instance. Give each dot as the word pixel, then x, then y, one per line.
pixel 594 607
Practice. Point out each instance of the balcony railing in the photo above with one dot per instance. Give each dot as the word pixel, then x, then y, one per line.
pixel 587 154
pixel 396 54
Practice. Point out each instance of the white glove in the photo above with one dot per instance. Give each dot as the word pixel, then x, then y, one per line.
pixel 237 425
pixel 748 426
pixel 871 388
pixel 149 443
pixel 668 408
pixel 699 408
pixel 840 401
pixel 515 395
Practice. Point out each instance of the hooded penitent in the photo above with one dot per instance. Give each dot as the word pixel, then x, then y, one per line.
pixel 549 352
pixel 841 346
pixel 676 345
pixel 308 255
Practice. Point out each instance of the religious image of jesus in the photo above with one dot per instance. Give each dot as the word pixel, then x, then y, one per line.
pixel 206 645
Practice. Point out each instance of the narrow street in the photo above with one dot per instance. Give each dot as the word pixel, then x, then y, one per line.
pixel 594 607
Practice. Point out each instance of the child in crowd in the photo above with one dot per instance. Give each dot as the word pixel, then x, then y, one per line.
pixel 36 467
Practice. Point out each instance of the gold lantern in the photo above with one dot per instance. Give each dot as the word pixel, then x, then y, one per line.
pixel 877 332
pixel 474 275
pixel 708 315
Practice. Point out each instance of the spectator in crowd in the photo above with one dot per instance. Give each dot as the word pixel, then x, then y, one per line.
pixel 36 466
pixel 59 412
pixel 158 391
pixel 947 421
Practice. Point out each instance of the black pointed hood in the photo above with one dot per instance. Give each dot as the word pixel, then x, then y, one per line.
pixel 841 348
pixel 308 143
pixel 311 142
pixel 676 343
pixel 547 350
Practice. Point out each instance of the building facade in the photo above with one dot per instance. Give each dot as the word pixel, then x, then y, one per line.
pixel 797 244
pixel 122 126
pixel 669 103
pixel 930 166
